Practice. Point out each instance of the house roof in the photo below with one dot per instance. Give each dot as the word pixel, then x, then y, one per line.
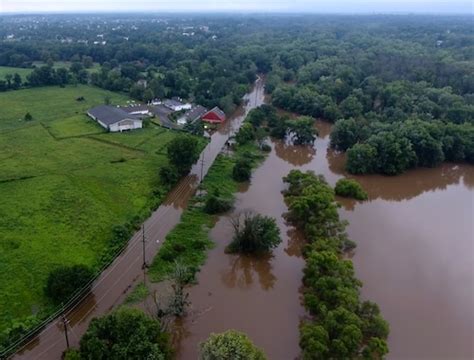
pixel 172 103
pixel 134 108
pixel 216 111
pixel 195 113
pixel 109 115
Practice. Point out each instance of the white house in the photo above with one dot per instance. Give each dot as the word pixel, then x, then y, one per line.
pixel 115 119
pixel 176 104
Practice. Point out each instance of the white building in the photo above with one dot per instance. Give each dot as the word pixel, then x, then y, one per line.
pixel 176 104
pixel 115 119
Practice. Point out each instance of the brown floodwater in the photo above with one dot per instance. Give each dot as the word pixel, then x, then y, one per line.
pixel 415 256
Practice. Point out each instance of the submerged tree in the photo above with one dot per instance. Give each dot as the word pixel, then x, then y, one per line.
pixel 254 234
pixel 124 334
pixel 229 345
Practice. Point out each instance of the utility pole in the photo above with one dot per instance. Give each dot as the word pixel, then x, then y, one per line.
pixel 145 265
pixel 202 165
pixel 65 322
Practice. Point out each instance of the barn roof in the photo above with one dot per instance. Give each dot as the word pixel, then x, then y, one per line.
pixel 109 115
pixel 195 113
pixel 216 111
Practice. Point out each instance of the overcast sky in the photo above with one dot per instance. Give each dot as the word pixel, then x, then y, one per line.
pixel 339 6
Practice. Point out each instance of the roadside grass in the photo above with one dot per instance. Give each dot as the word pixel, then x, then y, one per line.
pixel 189 241
pixel 63 190
pixel 138 294
pixel 5 70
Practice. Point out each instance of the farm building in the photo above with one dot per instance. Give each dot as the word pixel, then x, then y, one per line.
pixel 176 104
pixel 214 116
pixel 115 119
pixel 192 115
pixel 136 109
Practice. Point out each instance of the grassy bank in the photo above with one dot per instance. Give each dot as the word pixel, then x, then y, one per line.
pixel 65 184
pixel 189 241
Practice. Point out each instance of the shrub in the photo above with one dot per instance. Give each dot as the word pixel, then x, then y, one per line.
pixel 28 117
pixel 64 281
pixel 215 204
pixel 254 234
pixel 242 170
pixel 169 175
pixel 350 188
pixel 124 334
pixel 229 345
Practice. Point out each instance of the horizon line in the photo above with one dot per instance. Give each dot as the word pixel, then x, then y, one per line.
pixel 230 11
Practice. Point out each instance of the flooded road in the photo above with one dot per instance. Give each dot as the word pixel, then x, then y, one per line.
pixel 113 285
pixel 415 256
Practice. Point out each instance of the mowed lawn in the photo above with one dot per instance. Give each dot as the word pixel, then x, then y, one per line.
pixel 64 183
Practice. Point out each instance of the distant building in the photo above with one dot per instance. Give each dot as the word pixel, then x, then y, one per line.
pixel 192 115
pixel 136 109
pixel 176 104
pixel 143 83
pixel 115 119
pixel 214 116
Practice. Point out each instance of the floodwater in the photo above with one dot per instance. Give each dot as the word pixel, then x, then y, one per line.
pixel 113 285
pixel 415 256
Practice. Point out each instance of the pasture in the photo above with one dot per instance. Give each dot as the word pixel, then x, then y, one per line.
pixel 23 72
pixel 64 184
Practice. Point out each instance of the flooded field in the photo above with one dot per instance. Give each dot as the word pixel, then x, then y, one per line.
pixel 415 257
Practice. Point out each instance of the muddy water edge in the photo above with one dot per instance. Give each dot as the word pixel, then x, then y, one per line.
pixel 414 255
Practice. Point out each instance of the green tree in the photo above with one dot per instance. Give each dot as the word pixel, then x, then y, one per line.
pixel 229 345
pixel 350 188
pixel 345 134
pixel 254 234
pixel 302 130
pixel 246 134
pixel 183 152
pixel 64 281
pixel 361 159
pixel 124 334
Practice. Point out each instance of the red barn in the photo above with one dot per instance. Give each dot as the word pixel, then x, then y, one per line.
pixel 214 116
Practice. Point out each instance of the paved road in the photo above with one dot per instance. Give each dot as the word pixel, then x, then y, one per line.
pixel 119 278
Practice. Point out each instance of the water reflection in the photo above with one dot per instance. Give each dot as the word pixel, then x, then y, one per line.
pixel 294 154
pixel 295 243
pixel 244 268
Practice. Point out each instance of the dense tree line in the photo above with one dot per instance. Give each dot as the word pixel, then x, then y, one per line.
pixel 342 325
pixel 394 147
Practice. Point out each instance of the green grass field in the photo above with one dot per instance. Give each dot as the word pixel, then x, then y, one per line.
pixel 23 72
pixel 59 64
pixel 4 70
pixel 64 183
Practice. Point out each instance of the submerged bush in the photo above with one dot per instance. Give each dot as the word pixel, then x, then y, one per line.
pixel 254 234
pixel 350 188
pixel 242 170
pixel 216 204
pixel 229 345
